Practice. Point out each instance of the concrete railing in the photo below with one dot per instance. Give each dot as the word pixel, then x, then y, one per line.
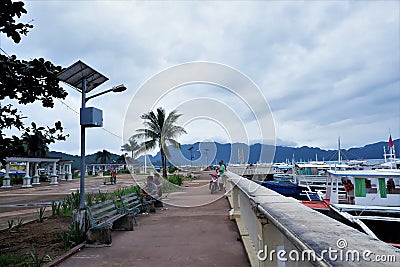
pixel 251 170
pixel 280 231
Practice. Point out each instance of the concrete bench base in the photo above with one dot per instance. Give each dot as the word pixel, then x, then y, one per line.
pixel 102 236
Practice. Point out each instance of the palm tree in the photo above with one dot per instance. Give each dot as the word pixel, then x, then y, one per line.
pixel 160 130
pixel 104 156
pixel 131 146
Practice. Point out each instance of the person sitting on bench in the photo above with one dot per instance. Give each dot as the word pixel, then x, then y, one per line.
pixel 159 184
pixel 151 188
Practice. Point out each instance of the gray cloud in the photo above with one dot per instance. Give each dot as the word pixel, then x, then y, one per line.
pixel 327 68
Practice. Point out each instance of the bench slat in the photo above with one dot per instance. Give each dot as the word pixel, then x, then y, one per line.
pixel 102 210
pixel 102 204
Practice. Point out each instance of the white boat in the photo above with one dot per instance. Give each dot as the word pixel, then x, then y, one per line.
pixel 391 162
pixel 373 204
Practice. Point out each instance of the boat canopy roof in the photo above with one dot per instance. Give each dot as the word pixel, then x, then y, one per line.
pixel 321 166
pixel 367 173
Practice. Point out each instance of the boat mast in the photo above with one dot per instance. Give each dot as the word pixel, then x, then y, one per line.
pixel 339 157
pixel 384 153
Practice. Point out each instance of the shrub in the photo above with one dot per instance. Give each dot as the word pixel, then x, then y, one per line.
pixel 16 180
pixel 76 233
pixel 176 179
pixel 172 169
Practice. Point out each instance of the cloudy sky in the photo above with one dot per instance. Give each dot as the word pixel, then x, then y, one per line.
pixel 324 69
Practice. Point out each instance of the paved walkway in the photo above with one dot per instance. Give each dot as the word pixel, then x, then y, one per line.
pixel 193 228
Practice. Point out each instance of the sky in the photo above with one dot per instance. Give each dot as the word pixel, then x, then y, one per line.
pixel 297 73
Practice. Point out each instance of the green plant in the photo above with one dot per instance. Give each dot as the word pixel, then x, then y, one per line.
pixel 41 213
pixel 76 233
pixel 16 180
pixel 10 225
pixel 10 259
pixel 37 261
pixel 14 227
pixel 176 179
pixel 172 169
pixel 75 198
pixel 20 222
pixel 103 196
pixel 90 199
pixel 65 207
pixel 56 208
pixel 65 237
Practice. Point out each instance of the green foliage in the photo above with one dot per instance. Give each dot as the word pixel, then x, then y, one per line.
pixel 65 237
pixel 76 233
pixel 73 237
pixel 10 259
pixel 103 196
pixel 8 25
pixel 26 81
pixel 20 222
pixel 41 213
pixel 14 226
pixel 73 200
pixel 56 208
pixel 10 225
pixel 103 156
pixel 172 169
pixel 176 179
pixel 90 199
pixel 132 146
pixel 160 131
pixel 16 180
pixel 37 260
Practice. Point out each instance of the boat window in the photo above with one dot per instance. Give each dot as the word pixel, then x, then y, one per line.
pixel 360 187
pixel 382 187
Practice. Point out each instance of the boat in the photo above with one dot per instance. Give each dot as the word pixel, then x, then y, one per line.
pixel 390 160
pixel 287 189
pixel 373 204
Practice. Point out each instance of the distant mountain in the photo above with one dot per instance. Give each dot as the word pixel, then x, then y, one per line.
pixel 77 159
pixel 234 153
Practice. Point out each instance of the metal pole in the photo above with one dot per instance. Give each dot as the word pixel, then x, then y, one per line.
pixel 206 157
pixel 83 137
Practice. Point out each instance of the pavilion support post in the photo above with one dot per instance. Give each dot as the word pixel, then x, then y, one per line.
pixel 6 178
pixel 69 173
pixel 54 175
pixel 61 172
pixel 36 177
pixel 27 178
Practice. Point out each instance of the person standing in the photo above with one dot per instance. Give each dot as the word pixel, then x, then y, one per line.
pixel 221 172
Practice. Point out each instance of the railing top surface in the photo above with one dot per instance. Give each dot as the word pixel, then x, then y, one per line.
pixel 309 229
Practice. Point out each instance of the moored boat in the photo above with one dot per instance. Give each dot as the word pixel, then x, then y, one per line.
pixel 371 201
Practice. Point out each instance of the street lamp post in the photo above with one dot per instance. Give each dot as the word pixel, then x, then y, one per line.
pixel 116 89
pixel 206 157
pixel 191 155
pixel 84 79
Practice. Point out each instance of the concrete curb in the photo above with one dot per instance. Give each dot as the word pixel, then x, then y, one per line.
pixel 66 255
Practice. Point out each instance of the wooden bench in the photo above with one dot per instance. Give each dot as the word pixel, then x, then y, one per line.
pixel 103 218
pixel 131 204
pixel 148 203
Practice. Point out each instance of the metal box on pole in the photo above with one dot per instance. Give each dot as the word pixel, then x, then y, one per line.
pixel 91 117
